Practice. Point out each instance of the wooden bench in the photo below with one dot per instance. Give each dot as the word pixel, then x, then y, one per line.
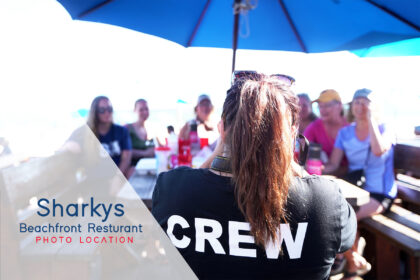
pixel 390 236
pixel 409 192
pixel 394 238
pixel 407 170
pixel 407 158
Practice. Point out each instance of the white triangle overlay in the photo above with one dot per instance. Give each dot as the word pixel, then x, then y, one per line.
pixel 77 174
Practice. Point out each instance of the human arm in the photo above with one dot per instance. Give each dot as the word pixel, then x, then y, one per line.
pixel 125 161
pixel 218 151
pixel 147 153
pixel 125 156
pixel 334 161
pixel 348 225
pixel 378 144
pixel 185 131
pixel 337 154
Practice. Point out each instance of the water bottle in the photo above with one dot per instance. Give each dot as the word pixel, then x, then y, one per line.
pixel 314 163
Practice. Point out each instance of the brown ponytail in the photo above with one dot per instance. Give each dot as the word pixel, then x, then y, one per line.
pixel 258 117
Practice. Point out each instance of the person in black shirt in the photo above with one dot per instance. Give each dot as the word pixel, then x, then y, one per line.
pixel 114 138
pixel 252 215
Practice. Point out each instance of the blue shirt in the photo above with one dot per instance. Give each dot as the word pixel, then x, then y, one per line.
pixel 115 141
pixel 379 171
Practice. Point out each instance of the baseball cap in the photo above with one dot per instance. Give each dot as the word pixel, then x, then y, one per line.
pixel 363 92
pixel 327 96
pixel 203 97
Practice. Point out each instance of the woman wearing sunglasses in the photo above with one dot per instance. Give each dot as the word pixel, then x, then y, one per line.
pixel 368 148
pixel 252 215
pixel 114 138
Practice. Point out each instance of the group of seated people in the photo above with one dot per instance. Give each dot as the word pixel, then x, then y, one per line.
pixel 252 183
pixel 127 144
pixel 356 145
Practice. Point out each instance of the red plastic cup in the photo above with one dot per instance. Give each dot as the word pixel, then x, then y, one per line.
pixel 204 142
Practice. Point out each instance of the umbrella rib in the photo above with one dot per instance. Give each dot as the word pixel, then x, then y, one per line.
pixel 198 23
pixel 392 13
pixel 295 31
pixel 100 5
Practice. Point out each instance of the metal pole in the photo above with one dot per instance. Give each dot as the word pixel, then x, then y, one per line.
pixel 235 34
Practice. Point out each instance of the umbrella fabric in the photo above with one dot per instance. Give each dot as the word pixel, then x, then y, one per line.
pixel 288 25
pixel 402 48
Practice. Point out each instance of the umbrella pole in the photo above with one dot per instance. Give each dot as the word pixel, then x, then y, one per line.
pixel 235 36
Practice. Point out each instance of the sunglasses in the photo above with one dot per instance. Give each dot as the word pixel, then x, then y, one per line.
pixel 102 110
pixel 254 75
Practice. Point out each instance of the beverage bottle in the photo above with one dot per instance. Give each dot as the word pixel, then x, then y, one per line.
pixel 194 140
pixel 314 163
pixel 184 153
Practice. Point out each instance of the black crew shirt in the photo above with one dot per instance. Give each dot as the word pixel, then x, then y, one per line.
pixel 198 211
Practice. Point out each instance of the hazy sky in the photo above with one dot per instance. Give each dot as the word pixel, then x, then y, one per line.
pixel 51 66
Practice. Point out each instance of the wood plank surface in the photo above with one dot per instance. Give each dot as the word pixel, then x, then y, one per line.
pixel 353 194
pixel 144 185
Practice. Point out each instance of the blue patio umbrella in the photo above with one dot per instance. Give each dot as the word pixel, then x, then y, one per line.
pixel 409 47
pixel 309 26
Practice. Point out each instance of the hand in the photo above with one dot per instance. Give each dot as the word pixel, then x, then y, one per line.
pixel 219 147
pixel 220 142
pixel 149 152
pixel 217 151
pixel 366 112
pixel 220 126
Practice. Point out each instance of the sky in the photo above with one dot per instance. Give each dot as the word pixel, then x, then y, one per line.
pixel 51 67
